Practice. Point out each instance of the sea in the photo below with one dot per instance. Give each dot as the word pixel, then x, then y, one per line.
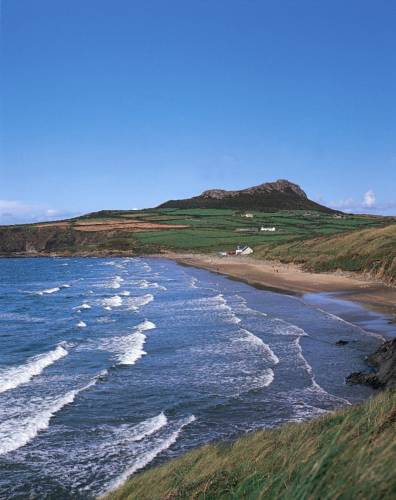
pixel 112 365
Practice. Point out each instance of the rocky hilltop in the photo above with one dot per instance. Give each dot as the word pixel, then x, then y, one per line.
pixel 268 197
pixel 280 185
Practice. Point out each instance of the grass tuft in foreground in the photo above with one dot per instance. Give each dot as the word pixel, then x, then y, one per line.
pixel 350 454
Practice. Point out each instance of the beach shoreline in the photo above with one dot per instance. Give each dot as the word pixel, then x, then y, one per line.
pixel 291 279
pixel 267 275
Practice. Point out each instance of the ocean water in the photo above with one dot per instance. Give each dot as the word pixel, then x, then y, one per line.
pixel 111 365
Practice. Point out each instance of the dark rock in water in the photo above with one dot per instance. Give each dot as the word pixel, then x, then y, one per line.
pixel 342 342
pixel 364 378
pixel 384 362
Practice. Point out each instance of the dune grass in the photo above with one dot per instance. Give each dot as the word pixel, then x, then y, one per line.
pixel 350 454
pixel 370 250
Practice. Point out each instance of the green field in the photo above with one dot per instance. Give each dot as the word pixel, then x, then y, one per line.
pixel 346 455
pixel 217 229
pixel 317 240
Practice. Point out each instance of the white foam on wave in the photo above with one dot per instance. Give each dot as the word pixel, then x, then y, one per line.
pixel 216 303
pixel 115 282
pixel 115 301
pixel 20 317
pixel 33 417
pixel 83 306
pixel 135 303
pixel 118 265
pixel 105 320
pixel 49 291
pixel 337 318
pixel 147 428
pixel 146 267
pixel 223 304
pixel 128 348
pixel 244 308
pixel 264 379
pixel 193 282
pixel 314 385
pixel 12 377
pixel 81 324
pixel 125 293
pixel 147 455
pixel 257 342
pixel 282 327
pixel 149 284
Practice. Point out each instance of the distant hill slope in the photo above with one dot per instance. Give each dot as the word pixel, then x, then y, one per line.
pixel 268 197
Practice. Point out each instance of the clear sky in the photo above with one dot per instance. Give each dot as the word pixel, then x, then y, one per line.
pixel 127 103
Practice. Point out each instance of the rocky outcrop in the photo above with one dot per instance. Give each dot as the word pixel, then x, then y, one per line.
pixel 384 363
pixel 281 186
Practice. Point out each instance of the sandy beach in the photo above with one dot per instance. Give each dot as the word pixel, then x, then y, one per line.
pixel 290 278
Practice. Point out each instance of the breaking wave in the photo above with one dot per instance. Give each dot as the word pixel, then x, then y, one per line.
pixel 128 348
pixel 115 282
pixel 148 284
pixel 49 291
pixel 83 306
pixel 257 342
pixel 33 417
pixel 337 318
pixel 150 452
pixel 10 378
pixel 135 303
pixel 115 301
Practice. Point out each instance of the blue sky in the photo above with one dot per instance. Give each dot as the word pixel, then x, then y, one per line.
pixel 124 103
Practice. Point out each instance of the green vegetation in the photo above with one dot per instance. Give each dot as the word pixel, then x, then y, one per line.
pixel 217 229
pixel 371 250
pixel 347 455
pixel 320 241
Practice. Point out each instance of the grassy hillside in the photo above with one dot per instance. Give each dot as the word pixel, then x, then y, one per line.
pixel 347 455
pixel 370 250
pixel 211 230
pixel 267 202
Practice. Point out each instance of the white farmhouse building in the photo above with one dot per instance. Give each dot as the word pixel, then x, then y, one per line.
pixel 268 229
pixel 245 250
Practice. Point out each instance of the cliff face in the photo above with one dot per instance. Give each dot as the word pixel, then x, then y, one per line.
pixel 32 240
pixel 267 197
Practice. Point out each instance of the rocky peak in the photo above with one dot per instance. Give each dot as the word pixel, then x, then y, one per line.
pixel 280 185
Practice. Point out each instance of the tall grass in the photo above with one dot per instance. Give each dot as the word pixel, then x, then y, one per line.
pixel 370 250
pixel 347 455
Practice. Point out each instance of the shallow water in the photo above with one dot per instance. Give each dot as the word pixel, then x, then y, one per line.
pixel 108 365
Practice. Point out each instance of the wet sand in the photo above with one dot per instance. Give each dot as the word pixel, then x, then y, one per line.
pixel 290 278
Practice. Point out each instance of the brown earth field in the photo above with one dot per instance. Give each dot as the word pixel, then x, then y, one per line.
pixel 111 225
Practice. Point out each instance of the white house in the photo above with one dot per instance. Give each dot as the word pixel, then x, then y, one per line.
pixel 248 215
pixel 268 229
pixel 245 250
